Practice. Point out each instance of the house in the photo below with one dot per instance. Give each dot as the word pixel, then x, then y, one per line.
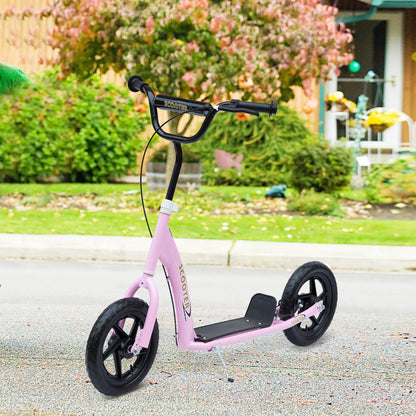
pixel 384 45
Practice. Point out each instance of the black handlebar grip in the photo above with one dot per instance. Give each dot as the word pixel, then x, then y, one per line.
pixel 269 109
pixel 136 83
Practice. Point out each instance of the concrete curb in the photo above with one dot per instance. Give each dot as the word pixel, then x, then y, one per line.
pixel 337 256
pixel 209 252
pixel 106 248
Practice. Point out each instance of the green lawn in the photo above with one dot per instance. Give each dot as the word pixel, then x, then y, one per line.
pixel 234 227
pixel 201 215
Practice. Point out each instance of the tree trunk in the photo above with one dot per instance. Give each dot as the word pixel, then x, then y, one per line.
pixel 173 127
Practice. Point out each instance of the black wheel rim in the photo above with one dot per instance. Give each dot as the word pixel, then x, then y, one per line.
pixel 120 365
pixel 312 290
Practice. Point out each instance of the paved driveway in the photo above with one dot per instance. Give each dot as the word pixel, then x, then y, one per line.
pixel 364 365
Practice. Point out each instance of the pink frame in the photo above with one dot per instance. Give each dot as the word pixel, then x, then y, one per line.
pixel 163 248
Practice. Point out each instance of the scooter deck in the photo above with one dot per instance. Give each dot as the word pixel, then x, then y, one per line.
pixel 260 314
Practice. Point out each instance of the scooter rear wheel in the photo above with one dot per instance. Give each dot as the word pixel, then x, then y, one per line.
pixel 310 283
pixel 112 367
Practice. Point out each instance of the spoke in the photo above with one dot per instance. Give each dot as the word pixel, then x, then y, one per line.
pixel 312 287
pixel 111 348
pixel 314 321
pixel 135 327
pixel 120 332
pixel 117 363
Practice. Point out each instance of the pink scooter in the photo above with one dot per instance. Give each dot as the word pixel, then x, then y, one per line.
pixel 123 341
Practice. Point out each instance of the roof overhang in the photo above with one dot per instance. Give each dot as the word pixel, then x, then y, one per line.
pixel 391 4
pixel 375 5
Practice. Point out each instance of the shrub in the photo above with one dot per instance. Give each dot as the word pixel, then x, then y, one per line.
pixel 314 203
pixel 316 165
pixel 266 144
pixel 160 153
pixel 84 131
pixel 394 182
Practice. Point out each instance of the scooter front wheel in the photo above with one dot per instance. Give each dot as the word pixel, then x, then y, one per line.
pixel 310 283
pixel 112 367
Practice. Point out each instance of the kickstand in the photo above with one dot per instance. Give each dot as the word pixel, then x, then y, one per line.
pixel 217 349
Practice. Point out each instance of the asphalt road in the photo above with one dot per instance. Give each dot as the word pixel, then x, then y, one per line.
pixel 364 365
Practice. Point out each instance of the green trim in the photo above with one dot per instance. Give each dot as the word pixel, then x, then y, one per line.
pixel 360 17
pixel 321 127
pixel 401 4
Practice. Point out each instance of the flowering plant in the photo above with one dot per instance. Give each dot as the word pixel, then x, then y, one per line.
pixel 200 48
pixel 383 120
pixel 338 98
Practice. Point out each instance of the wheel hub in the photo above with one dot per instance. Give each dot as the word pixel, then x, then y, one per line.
pixel 306 303
pixel 125 348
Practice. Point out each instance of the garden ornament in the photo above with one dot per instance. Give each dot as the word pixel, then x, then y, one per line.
pixel 226 160
pixel 11 78
pixel 277 191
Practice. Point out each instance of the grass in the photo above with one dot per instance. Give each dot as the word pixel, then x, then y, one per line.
pixel 242 227
pixel 194 220
pixel 64 188
pixel 108 188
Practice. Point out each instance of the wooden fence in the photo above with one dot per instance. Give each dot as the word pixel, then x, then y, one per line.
pixel 16 33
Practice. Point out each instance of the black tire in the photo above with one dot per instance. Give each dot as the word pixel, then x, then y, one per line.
pixel 309 283
pixel 112 368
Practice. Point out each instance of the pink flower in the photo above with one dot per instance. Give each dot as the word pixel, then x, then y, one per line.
pixel 231 49
pixel 217 22
pixel 150 25
pixel 225 41
pixel 192 47
pixel 203 4
pixel 307 86
pixel 189 77
pixel 251 54
pixel 231 24
pixel 250 67
pixel 186 5
pixel 206 85
pixel 74 32
pixel 310 105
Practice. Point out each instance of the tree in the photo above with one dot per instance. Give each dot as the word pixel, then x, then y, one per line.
pixel 201 48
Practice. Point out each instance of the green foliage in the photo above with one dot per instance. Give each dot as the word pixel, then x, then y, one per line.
pixel 197 48
pixel 317 165
pixel 84 131
pixel 314 203
pixel 266 144
pixel 394 182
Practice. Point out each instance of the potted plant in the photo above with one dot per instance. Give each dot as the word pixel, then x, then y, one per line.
pixel 191 172
pixel 379 121
pixel 337 102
